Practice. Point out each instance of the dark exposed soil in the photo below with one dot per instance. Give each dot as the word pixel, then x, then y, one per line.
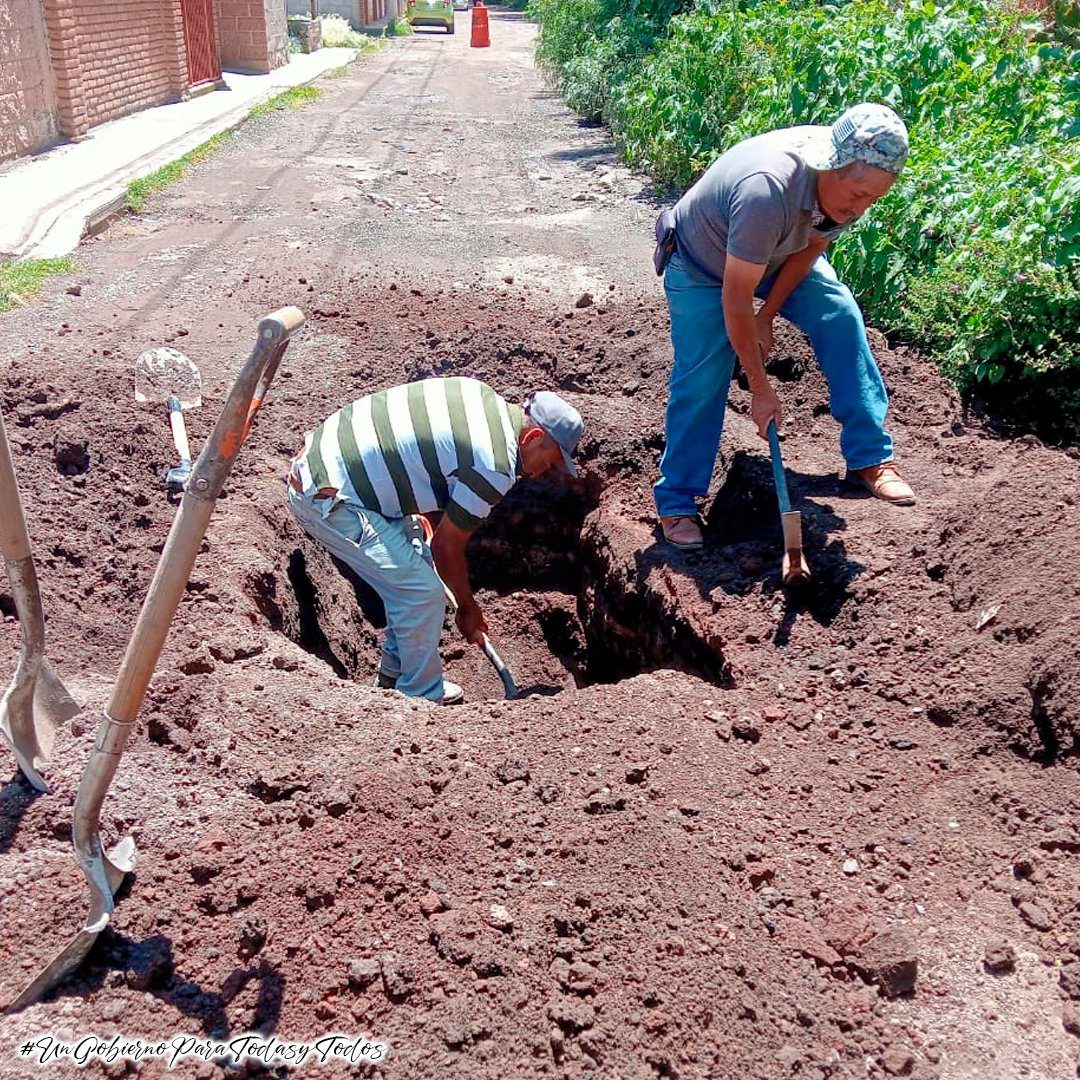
pixel 726 833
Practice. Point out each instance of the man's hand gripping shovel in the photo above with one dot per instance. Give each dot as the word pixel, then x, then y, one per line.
pixel 509 686
pixel 105 871
pixel 35 703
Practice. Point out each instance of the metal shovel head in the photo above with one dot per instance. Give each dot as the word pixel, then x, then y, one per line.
pixel 795 571
pixel 32 711
pixel 114 866
pixel 163 372
pixel 509 686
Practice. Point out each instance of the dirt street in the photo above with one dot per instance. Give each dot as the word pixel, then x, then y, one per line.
pixel 725 835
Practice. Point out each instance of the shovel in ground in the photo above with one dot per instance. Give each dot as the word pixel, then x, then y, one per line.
pixel 167 376
pixel 105 871
pixel 35 704
pixel 510 689
pixel 794 570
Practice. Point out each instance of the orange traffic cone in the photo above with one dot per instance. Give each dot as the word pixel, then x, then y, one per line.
pixel 480 38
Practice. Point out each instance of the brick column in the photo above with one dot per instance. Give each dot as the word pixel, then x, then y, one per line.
pixel 62 32
pixel 254 34
pixel 277 33
pixel 27 102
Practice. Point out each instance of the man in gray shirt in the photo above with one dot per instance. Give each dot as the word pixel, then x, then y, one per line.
pixel 757 225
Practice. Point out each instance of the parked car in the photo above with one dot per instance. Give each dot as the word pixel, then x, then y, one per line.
pixel 430 13
pixel 462 5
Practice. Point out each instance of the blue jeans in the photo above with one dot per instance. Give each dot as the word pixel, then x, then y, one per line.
pixel 377 549
pixel 822 307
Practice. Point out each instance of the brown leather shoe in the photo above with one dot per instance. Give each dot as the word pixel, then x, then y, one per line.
pixel 885 482
pixel 682 531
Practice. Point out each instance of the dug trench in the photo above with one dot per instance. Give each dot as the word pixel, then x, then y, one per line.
pixel 908 610
pixel 538 568
pixel 541 565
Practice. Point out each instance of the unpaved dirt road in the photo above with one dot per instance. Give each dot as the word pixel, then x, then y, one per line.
pixel 724 836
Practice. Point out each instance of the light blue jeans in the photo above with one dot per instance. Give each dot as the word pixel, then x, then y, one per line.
pixel 377 549
pixel 822 307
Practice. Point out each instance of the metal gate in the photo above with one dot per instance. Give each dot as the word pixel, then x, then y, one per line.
pixel 202 56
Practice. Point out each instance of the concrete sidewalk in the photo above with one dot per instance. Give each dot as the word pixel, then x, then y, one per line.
pixel 49 200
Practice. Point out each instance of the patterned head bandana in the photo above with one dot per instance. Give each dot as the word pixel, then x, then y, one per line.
pixel 866 132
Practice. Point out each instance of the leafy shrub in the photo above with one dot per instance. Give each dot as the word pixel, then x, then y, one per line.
pixel 398 28
pixel 338 34
pixel 975 253
pixel 588 47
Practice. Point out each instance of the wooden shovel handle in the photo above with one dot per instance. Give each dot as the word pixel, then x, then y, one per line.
pixel 14 537
pixel 279 326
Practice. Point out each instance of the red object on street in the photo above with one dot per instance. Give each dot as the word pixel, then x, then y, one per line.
pixel 480 37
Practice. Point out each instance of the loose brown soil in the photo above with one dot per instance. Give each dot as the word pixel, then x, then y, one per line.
pixel 727 833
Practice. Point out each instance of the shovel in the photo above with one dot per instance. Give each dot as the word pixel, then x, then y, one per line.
pixel 794 570
pixel 510 689
pixel 35 704
pixel 167 375
pixel 105 871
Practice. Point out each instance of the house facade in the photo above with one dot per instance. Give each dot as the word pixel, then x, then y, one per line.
pixel 68 65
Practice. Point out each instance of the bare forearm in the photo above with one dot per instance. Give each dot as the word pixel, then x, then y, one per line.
pixel 454 571
pixel 743 335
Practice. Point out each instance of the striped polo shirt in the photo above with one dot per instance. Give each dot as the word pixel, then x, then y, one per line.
pixel 439 444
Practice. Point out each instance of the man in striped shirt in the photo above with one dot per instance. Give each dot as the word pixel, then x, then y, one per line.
pixel 450 445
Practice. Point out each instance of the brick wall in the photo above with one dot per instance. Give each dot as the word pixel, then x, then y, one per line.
pixel 254 35
pixel 110 58
pixel 28 119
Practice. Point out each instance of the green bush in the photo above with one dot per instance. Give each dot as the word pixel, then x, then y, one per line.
pixel 588 47
pixel 337 33
pixel 975 253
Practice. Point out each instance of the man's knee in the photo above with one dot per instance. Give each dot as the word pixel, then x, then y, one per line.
pixel 838 318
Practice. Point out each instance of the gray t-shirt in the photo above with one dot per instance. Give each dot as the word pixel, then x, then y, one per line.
pixel 758 200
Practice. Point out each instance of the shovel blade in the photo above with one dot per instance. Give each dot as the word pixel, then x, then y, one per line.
pixel 119 862
pixel 56 970
pixel 53 707
pixel 795 570
pixel 31 716
pixel 165 372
